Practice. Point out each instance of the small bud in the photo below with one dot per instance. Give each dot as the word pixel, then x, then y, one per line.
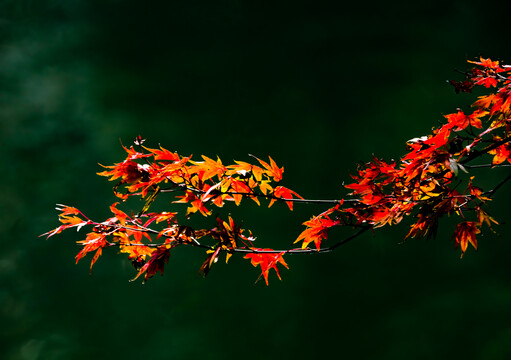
pixel 138 140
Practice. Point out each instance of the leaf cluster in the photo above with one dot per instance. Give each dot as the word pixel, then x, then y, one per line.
pixel 427 183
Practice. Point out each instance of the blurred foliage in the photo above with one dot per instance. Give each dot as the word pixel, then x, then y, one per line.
pixel 317 86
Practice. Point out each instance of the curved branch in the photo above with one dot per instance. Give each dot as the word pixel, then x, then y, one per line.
pixel 245 250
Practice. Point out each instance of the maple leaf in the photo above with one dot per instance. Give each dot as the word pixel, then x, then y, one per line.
pixel 121 216
pixel 137 251
pixel 156 263
pixel 461 121
pixel 487 81
pixel 381 215
pixel 239 187
pixel 282 192
pixel 228 234
pixel 93 242
pixel 486 63
pixel 245 170
pixel 464 234
pixel 272 170
pixel 210 260
pixel 71 220
pixel 266 261
pixel 476 191
pixel 506 104
pixel 265 187
pixel 317 229
pixel 208 168
pixel 67 218
pixel 55 231
pixel 426 225
pixel 129 171
pixel 134 154
pixel 137 235
pixel 494 102
pixel 67 210
pixel 439 139
pixel 502 153
pixel 486 101
pixel 196 203
pixel 163 154
pixel 484 217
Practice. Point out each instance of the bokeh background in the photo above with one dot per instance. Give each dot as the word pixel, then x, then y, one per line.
pixel 320 88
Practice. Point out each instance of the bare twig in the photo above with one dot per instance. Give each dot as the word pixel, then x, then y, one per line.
pixel 499 185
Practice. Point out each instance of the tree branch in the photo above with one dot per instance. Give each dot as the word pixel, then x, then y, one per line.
pixel 481 152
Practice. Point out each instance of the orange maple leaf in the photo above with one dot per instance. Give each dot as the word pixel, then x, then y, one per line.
pixel 71 220
pixel 245 169
pixel 476 191
pixel 484 217
pixel 163 154
pixel 465 233
pixel 164 216
pixel 272 170
pixel 67 210
pixel 67 218
pixel 196 203
pixel 208 168
pixel 137 251
pixel 485 102
pixel 120 215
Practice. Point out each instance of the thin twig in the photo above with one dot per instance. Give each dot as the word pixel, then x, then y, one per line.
pixel 486 166
pixel 494 190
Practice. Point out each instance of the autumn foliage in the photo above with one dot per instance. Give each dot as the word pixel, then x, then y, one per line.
pixel 431 180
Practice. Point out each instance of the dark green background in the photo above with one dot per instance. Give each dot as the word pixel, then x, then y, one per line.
pixel 317 86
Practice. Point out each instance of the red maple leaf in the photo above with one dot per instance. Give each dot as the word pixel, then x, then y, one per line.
pixel 317 229
pixel 282 192
pixel 501 153
pixel 93 242
pixel 266 261
pixel 487 63
pixel 461 121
